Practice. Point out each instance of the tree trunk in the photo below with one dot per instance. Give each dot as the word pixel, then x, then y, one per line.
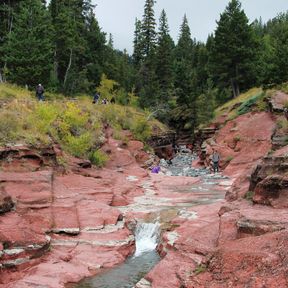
pixel 235 88
pixel 69 66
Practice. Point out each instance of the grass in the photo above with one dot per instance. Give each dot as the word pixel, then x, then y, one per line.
pixel 249 195
pixel 252 100
pixel 77 125
pixel 200 269
pixel 229 158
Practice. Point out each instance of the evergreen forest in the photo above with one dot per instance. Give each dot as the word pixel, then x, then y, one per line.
pixel 62 46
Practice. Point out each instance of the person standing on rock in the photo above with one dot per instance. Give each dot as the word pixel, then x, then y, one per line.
pixel 215 160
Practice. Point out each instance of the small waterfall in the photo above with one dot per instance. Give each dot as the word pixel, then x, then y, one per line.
pixel 135 267
pixel 147 237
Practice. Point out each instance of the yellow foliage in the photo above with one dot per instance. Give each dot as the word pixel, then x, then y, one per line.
pixel 76 125
pixel 107 88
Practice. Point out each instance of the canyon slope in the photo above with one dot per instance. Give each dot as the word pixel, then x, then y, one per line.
pixel 60 224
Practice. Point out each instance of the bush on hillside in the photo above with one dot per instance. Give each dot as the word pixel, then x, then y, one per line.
pixel 247 105
pixel 98 158
pixel 9 126
pixel 141 129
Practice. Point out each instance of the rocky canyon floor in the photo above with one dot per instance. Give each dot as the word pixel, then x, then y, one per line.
pixel 57 228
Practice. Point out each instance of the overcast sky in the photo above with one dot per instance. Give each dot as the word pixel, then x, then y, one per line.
pixel 118 16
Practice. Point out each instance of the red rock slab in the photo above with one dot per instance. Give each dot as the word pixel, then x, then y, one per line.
pixel 36 195
pixel 199 235
pixel 92 214
pixel 65 265
pixel 163 182
pixel 248 262
pixel 167 272
pixel 252 141
pixel 119 157
pixel 76 187
pixel 39 176
pixel 29 189
pixel 134 146
pixel 65 219
pixel 17 231
pixel 110 240
pixel 193 240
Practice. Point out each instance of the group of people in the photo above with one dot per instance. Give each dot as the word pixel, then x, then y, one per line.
pixel 96 99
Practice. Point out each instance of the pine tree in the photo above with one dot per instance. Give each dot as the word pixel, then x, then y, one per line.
pixel 185 113
pixel 164 59
pixel 138 42
pixel 277 31
pixel 95 53
pixel 147 85
pixel 233 52
pixel 70 47
pixel 149 29
pixel 184 60
pixel 28 47
pixel 8 10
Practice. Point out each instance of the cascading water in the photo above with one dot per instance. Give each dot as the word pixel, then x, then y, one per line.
pixel 135 267
pixel 147 236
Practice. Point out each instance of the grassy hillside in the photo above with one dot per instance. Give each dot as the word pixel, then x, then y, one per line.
pixel 76 124
pixel 256 99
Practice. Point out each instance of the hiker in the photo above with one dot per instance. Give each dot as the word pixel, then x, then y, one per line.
pixel 40 92
pixel 175 147
pixel 104 101
pixel 215 160
pixel 96 98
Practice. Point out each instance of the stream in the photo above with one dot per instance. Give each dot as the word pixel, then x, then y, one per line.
pixel 147 235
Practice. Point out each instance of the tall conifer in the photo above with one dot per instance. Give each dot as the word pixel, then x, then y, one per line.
pixel 233 52
pixel 164 59
pixel 28 49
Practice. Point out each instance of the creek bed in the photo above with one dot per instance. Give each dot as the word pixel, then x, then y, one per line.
pixel 125 275
pixel 129 273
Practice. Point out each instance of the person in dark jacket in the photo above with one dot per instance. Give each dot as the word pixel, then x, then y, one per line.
pixel 40 92
pixel 215 161
pixel 96 98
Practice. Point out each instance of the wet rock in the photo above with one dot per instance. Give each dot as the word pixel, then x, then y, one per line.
pixel 143 283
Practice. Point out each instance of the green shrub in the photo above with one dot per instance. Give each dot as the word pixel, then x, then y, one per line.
pixel 79 145
pixel 200 269
pixel 229 158
pixel 249 195
pixel 75 118
pixel 9 126
pixel 98 158
pixel 237 138
pixel 256 100
pixel 43 116
pixel 141 129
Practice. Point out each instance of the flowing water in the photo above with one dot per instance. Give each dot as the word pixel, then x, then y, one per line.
pixel 126 275
pixel 135 267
